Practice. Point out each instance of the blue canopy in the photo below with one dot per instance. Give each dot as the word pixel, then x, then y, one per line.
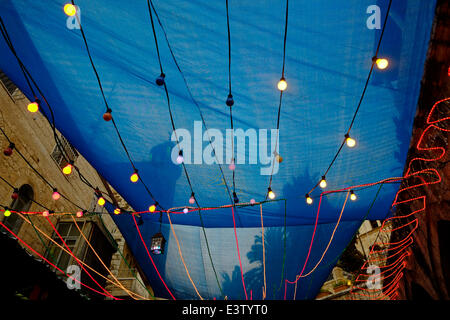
pixel 329 53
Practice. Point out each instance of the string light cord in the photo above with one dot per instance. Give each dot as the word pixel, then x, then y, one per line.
pixel 362 95
pixel 108 109
pixel 178 145
pixel 192 98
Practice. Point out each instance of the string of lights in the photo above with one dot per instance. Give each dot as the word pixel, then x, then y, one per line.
pixel 107 116
pixel 161 82
pixel 34 106
pixel 282 86
pixel 66 251
pixel 381 63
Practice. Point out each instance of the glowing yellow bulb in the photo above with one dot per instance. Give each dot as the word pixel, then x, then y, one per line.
pixel 70 9
pixel 350 142
pixel 33 107
pixel 352 196
pixel 271 194
pixel 101 201
pixel 382 63
pixel 134 177
pixel 67 169
pixel 309 200
pixel 117 211
pixel 152 208
pixel 282 84
pixel 7 213
pixel 323 183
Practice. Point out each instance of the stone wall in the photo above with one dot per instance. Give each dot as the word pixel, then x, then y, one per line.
pixel 33 137
pixel 427 273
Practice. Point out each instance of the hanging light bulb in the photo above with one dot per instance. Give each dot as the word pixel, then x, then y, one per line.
pixel 350 141
pixel 107 116
pixel 353 196
pixel 323 182
pixel 7 212
pixel 8 151
pixel 70 9
pixel 235 198
pixel 309 200
pixel 381 63
pixel 185 210
pixel 67 169
pixel 230 100
pixel 282 84
pixel 270 193
pixel 232 166
pixel 180 158
pixel 101 201
pixel 79 214
pixel 252 201
pixel 45 213
pixel 15 194
pixel 56 195
pixel 134 177
pixel 279 158
pixel 117 211
pixel 160 80
pixel 152 208
pixel 192 199
pixel 33 106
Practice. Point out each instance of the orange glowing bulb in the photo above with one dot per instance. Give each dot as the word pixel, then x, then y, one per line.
pixel 67 169
pixel 33 107
pixel 117 211
pixel 382 63
pixel 101 201
pixel 152 208
pixel 134 177
pixel 70 9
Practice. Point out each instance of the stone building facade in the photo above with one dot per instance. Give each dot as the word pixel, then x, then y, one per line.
pixel 33 137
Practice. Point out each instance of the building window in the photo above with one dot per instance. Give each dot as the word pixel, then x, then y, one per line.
pixel 9 85
pixel 374 223
pixel 21 204
pixel 70 153
pixel 70 234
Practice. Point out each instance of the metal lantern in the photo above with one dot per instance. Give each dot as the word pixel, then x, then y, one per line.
pixel 158 241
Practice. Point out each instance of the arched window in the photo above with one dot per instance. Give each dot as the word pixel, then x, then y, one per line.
pixel 22 203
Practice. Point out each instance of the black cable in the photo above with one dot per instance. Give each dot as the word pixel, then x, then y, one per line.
pixel 362 94
pixel 108 109
pixel 192 98
pixel 183 164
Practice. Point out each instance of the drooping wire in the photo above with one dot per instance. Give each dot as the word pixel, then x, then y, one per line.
pixel 362 95
pixel 183 164
pixel 108 109
pixel 281 92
